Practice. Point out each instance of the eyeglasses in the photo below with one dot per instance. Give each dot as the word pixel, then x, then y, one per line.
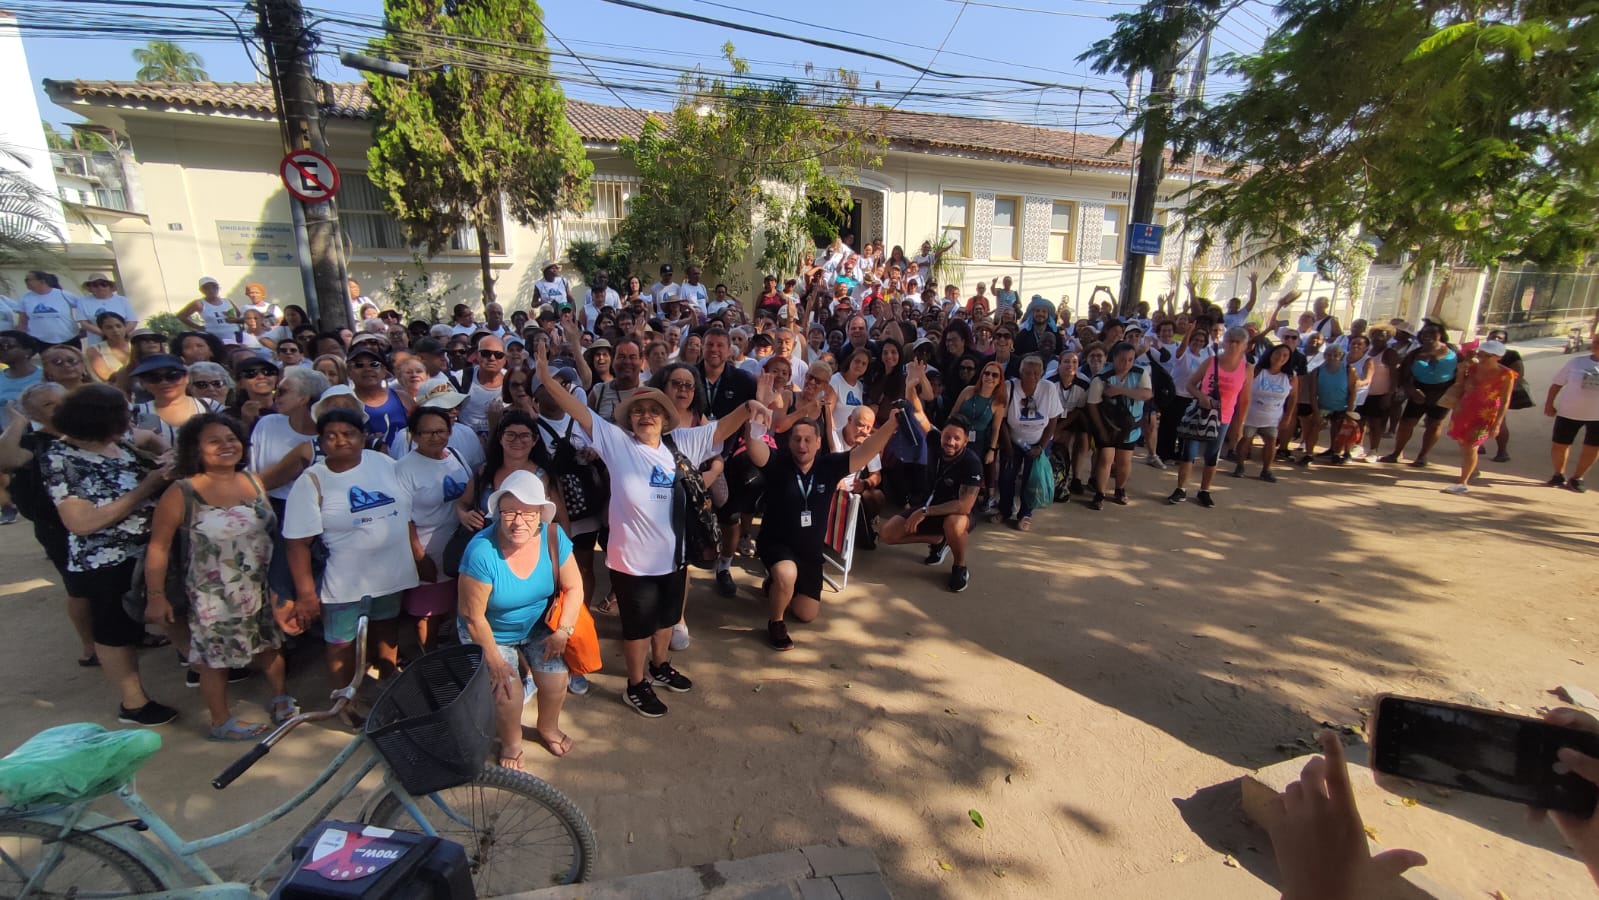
pixel 368 364
pixel 490 354
pixel 992 374
pixel 433 433
pixel 680 385
pixel 165 376
pixel 511 516
pixel 517 437
pixel 64 361
pixel 815 379
pixel 257 373
pixel 204 385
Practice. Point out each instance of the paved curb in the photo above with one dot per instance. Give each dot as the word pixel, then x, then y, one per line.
pixel 1263 787
pixel 809 873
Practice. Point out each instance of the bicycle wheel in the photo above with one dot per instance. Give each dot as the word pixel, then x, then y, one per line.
pixel 90 867
pixel 519 832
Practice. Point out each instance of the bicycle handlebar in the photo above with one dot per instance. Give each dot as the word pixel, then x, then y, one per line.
pixel 341 699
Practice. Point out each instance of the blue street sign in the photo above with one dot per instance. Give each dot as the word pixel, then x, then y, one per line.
pixel 1144 239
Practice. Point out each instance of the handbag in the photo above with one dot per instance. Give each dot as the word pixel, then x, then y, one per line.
pixel 1040 485
pixel 583 487
pixel 1198 423
pixel 582 653
pixel 455 547
pixel 699 534
pixel 1521 395
pixel 137 599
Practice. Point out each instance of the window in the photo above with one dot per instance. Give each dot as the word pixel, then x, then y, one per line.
pixel 1110 242
pixel 1007 220
pixel 370 227
pixel 600 222
pixel 954 220
pixel 1061 236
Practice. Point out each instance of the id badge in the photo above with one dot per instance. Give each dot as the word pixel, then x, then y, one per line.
pixel 805 519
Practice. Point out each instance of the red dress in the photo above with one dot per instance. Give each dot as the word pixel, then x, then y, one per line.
pixel 1479 406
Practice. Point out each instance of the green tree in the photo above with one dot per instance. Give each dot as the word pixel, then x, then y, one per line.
pixel 29 232
pixel 737 155
pixel 1448 131
pixel 167 61
pixel 469 134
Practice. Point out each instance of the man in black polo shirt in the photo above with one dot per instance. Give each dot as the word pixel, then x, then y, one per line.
pixel 726 389
pixel 954 475
pixel 800 484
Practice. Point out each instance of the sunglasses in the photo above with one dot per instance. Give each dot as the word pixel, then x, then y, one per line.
pixel 680 385
pixel 490 354
pixel 256 372
pixel 63 361
pixel 99 284
pixel 165 376
pixel 368 364
pixel 203 385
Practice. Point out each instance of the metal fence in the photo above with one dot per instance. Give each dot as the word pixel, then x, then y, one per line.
pixel 1529 295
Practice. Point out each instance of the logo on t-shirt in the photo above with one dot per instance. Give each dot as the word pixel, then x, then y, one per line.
pixel 362 500
pixel 44 309
pixel 660 477
pixel 452 488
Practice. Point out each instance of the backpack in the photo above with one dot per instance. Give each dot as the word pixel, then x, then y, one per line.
pixel 29 495
pixel 1164 385
pixel 699 534
pixel 584 489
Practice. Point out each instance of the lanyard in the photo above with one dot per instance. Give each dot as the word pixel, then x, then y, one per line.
pixel 805 487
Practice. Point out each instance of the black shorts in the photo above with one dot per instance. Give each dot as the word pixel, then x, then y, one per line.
pixel 1428 405
pixel 745 485
pixel 1128 446
pixel 1304 409
pixel 932 525
pixel 648 603
pixel 1566 431
pixel 807 570
pixel 104 589
pixel 1376 406
pixel 585 541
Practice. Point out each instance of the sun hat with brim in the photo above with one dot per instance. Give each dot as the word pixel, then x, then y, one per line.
pixel 140 334
pixel 601 344
pixel 1496 348
pixel 338 390
pixel 624 410
pixel 526 487
pixel 370 337
pixel 157 363
pixel 444 400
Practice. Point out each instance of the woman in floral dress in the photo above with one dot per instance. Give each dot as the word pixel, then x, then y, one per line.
pixel 1484 397
pixel 229 524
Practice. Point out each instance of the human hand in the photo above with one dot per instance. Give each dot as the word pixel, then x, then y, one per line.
pixel 1036 452
pixel 1320 842
pixel 427 569
pixel 1582 834
pixel 307 610
pixel 587 455
pixel 158 610
pixel 555 645
pixel 914 520
pixel 1549 410
pixel 541 358
pixel 502 676
pixel 1289 297
pixel 469 518
pixel 1254 279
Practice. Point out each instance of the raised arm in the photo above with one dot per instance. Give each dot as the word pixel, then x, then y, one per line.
pixel 865 453
pixel 1254 293
pixel 13 455
pixel 1282 303
pixel 563 398
pixel 728 425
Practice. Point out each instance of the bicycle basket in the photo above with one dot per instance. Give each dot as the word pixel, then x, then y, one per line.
pixel 434 724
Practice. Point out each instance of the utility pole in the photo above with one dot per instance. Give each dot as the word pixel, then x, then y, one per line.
pixel 1151 164
pixel 288 47
pixel 1196 93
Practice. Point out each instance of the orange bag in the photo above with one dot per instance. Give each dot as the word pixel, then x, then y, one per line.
pixel 582 654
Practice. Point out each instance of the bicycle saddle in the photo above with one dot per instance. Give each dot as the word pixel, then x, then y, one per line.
pixel 74 762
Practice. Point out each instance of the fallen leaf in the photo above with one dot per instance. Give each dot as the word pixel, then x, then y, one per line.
pixel 1372 833
pixel 1007 779
pixel 630 837
pixel 1034 719
pixel 737 822
pixel 976 817
pixel 1500 895
pixel 796 727
pixel 757 688
pixel 847 685
pixel 1410 801
pixel 998 872
pixel 834 666
pixel 1179 857
pixel 945 866
pixel 1230 862
pixel 951 712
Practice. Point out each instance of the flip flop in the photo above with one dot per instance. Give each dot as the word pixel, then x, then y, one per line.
pixel 152 640
pixel 557 748
pixel 514 763
pixel 234 730
pixel 89 662
pixel 283 708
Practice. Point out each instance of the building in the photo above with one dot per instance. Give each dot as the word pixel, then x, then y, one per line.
pixel 1046 207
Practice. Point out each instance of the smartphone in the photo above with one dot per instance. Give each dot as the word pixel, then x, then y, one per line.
pixel 1482 752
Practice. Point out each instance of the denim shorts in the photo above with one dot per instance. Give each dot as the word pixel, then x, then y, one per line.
pixel 339 619
pixel 531 648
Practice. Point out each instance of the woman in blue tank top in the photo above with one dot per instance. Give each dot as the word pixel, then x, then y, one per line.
pixel 1424 377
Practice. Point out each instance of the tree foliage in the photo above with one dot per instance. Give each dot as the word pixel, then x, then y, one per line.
pixel 167 61
pixel 29 214
pixel 1448 131
pixel 738 157
pixel 465 135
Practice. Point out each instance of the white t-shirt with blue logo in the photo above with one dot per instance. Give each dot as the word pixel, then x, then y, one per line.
pixel 52 316
pixel 364 517
pixel 434 486
pixel 850 398
pixel 642 539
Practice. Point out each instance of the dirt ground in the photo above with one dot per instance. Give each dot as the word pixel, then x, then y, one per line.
pixel 1094 696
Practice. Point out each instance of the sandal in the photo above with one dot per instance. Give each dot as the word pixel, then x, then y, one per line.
pixel 558 748
pixel 1025 524
pixel 152 640
pixel 514 763
pixel 234 730
pixel 89 662
pixel 606 607
pixel 283 708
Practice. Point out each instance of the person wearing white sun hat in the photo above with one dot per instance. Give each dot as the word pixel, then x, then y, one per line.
pixel 510 574
pixel 1484 396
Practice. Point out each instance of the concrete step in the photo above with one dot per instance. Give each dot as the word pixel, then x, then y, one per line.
pixel 809 873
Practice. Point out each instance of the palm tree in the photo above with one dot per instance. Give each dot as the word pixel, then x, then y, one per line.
pixel 166 61
pixel 28 214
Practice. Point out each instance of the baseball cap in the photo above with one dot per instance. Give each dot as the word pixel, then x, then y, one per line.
pixel 365 348
pixel 209 280
pixel 99 276
pixel 1496 348
pixel 158 362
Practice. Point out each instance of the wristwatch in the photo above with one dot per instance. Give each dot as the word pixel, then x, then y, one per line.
pixel 567 630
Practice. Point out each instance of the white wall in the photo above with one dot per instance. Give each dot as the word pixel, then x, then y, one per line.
pixel 20 128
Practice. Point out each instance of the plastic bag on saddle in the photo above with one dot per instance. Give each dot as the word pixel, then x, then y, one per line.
pixel 74 762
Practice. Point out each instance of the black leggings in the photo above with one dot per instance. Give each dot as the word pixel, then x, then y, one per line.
pixel 1168 446
pixel 648 603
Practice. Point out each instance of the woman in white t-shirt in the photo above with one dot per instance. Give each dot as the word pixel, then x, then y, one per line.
pixel 355 503
pixel 648 572
pixel 212 313
pixel 1273 392
pixel 435 477
pixel 1032 408
pixel 849 386
pixel 47 313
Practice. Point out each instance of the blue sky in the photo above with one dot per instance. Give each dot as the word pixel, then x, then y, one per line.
pixel 1033 40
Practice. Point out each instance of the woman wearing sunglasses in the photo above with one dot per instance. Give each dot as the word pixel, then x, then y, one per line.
pixel 166 379
pixel 983 405
pixel 255 391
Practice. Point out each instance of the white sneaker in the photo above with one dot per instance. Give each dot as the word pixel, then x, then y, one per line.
pixel 1155 462
pixel 680 638
pixel 1455 489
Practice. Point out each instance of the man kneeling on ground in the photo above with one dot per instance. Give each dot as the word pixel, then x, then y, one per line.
pixel 954 476
pixel 800 484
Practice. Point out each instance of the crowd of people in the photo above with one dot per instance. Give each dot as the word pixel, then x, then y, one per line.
pixel 254 482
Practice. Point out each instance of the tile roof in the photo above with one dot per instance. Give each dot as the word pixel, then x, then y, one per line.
pixel 905 129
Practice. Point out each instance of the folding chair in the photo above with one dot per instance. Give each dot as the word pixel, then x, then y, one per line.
pixel 838 548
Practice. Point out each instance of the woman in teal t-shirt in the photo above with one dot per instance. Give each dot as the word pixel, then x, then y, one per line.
pixel 507 582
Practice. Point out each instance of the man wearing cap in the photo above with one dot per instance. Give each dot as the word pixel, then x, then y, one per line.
pixel 762 346
pixel 463 440
pixel 659 289
pixel 601 296
pixel 369 375
pixel 551 291
pixel 103 297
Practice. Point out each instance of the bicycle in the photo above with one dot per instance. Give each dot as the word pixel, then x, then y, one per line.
pixel 518 831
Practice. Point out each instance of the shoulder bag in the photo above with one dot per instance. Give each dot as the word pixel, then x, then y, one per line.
pixel 582 653
pixel 1200 424
pixel 699 534
pixel 177 580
